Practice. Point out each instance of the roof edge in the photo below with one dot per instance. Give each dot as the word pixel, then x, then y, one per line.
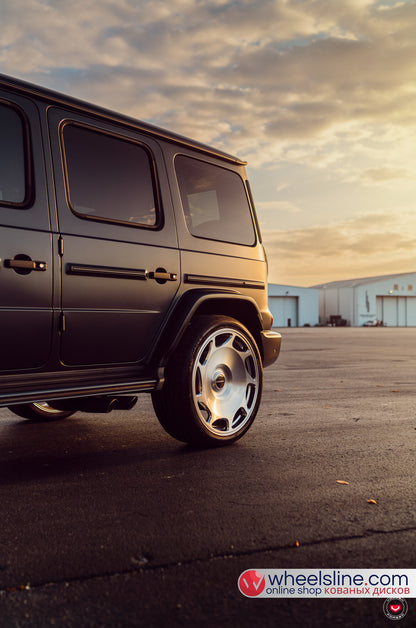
pixel 360 280
pixel 44 93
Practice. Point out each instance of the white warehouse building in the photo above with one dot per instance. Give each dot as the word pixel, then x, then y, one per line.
pixel 390 299
pixel 292 306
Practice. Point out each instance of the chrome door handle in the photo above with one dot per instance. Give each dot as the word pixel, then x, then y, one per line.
pixel 24 264
pixel 162 275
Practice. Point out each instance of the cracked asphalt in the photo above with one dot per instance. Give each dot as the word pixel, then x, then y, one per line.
pixel 107 521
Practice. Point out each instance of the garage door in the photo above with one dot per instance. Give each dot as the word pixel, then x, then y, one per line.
pixel 411 311
pixel 397 311
pixel 284 310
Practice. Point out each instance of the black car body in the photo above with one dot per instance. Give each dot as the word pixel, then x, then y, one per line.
pixel 131 261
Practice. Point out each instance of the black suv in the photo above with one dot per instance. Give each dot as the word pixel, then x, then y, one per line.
pixel 131 261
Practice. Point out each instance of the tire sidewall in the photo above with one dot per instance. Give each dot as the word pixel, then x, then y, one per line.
pixel 194 341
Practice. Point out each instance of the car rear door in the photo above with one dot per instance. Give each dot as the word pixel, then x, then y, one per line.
pixel 119 252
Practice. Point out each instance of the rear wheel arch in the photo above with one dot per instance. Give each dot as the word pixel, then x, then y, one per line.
pixel 243 309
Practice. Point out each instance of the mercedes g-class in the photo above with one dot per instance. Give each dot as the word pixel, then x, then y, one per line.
pixel 131 261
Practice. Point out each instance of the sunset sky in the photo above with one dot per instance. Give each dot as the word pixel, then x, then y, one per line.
pixel 319 96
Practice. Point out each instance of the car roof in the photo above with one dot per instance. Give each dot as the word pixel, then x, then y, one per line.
pixel 29 89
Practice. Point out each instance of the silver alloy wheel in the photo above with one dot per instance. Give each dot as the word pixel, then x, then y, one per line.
pixel 45 407
pixel 39 411
pixel 225 382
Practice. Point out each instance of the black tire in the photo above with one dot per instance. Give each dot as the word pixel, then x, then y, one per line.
pixel 213 384
pixel 39 412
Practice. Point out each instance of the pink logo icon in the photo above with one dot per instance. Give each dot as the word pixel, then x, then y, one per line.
pixel 251 583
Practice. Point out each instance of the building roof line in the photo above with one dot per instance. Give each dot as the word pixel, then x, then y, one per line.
pixel 345 283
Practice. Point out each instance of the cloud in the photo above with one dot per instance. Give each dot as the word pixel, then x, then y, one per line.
pixel 343 249
pixel 380 175
pixel 374 233
pixel 311 85
pixel 277 206
pixel 273 70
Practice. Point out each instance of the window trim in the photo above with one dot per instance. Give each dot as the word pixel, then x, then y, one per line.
pixel 29 177
pixel 256 237
pixel 153 171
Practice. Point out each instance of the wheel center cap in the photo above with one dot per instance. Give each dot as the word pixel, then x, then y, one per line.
pixel 218 381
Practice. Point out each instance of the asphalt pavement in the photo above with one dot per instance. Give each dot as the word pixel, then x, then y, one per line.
pixel 108 521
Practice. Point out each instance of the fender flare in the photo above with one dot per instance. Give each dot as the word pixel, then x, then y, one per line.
pixel 201 301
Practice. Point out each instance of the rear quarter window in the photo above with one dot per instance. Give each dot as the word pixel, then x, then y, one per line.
pixel 214 202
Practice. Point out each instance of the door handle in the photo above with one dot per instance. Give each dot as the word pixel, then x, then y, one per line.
pixel 161 275
pixel 25 265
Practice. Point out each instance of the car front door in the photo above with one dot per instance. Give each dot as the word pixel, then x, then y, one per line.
pixel 119 253
pixel 26 272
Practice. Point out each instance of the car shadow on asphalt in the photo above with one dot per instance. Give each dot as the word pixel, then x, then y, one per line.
pixel 86 444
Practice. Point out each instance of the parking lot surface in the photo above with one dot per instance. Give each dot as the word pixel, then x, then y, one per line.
pixel 107 521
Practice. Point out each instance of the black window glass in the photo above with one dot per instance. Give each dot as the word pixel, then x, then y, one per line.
pixel 214 201
pixel 108 177
pixel 12 157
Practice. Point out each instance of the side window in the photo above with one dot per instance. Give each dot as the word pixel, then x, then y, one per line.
pixel 214 201
pixel 108 177
pixel 14 171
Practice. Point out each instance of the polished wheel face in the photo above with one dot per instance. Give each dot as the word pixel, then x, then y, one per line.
pixel 40 411
pixel 213 383
pixel 225 382
pixel 45 407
